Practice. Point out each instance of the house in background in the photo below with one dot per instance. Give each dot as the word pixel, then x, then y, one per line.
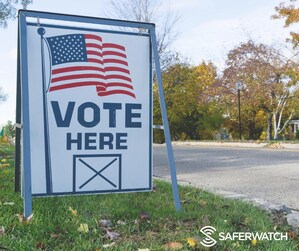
pixel 294 125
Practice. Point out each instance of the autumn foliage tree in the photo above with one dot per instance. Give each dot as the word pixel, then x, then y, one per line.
pixel 290 13
pixel 192 112
pixel 270 86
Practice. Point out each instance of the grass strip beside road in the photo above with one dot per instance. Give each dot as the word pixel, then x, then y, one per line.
pixel 129 221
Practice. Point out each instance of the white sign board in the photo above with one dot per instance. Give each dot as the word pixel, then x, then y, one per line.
pixel 90 110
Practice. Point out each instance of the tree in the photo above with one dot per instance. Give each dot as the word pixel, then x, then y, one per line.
pixel 192 111
pixel 10 131
pixel 291 15
pixel 270 86
pixel 149 11
pixel 8 9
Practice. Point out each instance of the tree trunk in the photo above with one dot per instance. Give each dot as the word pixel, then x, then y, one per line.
pixel 269 126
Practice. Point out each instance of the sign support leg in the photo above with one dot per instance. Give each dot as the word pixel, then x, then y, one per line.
pixel 25 116
pixel 18 125
pixel 171 162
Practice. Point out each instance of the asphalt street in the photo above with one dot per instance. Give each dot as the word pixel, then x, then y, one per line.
pixel 268 174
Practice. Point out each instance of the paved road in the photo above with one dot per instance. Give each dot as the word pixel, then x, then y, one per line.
pixel 268 174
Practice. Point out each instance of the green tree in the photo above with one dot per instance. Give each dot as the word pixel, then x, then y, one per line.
pixel 9 131
pixel 8 9
pixel 192 110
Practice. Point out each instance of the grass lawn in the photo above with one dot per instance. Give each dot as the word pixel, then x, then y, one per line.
pixel 146 221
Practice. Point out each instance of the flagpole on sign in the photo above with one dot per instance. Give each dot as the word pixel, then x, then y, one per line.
pixel 49 186
pixel 175 189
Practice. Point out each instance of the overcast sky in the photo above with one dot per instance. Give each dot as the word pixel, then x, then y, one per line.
pixel 207 30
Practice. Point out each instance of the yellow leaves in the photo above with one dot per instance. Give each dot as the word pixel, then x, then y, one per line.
pixel 4 163
pixel 254 242
pixel 203 202
pixel 73 212
pixel 24 220
pixel 192 242
pixel 83 228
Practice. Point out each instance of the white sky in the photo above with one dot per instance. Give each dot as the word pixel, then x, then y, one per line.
pixel 207 30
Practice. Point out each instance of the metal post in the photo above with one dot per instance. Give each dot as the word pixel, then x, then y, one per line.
pixel 171 163
pixel 49 186
pixel 239 107
pixel 18 124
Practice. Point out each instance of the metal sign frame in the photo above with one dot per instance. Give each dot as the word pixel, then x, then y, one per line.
pixel 22 115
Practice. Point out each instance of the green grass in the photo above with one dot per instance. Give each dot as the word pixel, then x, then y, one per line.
pixel 149 220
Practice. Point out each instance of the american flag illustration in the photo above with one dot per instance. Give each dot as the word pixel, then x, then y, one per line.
pixel 79 60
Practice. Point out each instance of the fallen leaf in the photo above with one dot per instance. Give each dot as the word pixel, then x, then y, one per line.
pixel 191 242
pixel 254 242
pixel 73 211
pixel 54 236
pixel 105 223
pixel 83 228
pixel 2 230
pixel 8 203
pixel 119 222
pixel 109 245
pixel 203 203
pixel 144 215
pixel 173 245
pixel 206 220
pixel 24 220
pixel 112 235
pixel 292 234
pixel 40 245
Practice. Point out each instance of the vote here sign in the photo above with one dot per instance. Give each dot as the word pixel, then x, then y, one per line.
pixel 90 110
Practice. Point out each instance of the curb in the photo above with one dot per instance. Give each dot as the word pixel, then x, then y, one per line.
pixel 237 144
pixel 291 216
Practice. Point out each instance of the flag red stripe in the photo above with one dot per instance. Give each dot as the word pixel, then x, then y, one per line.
pixel 78 76
pixel 119 69
pixel 94 60
pixel 78 84
pixel 116 46
pixel 115 61
pixel 106 93
pixel 93 45
pixel 114 53
pixel 94 53
pixel 115 84
pixel 90 36
pixel 118 77
pixel 77 68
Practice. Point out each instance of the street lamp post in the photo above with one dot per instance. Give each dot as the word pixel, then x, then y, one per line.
pixel 239 87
